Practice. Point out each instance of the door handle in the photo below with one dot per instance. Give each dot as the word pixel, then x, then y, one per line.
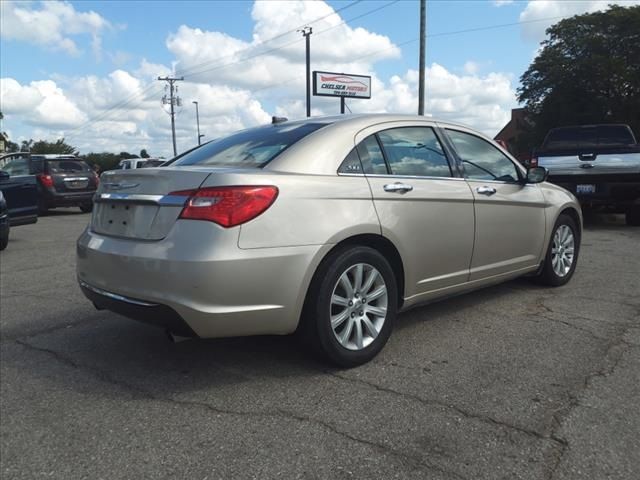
pixel 486 190
pixel 397 187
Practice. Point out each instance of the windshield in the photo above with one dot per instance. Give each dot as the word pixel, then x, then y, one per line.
pixel 67 166
pixel 250 148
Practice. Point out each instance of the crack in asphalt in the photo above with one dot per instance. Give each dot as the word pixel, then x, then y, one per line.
pixel 430 402
pixel 140 393
pixel 574 397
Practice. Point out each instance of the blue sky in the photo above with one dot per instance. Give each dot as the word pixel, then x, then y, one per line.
pixel 65 66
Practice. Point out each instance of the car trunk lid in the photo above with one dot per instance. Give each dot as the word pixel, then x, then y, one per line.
pixel 137 204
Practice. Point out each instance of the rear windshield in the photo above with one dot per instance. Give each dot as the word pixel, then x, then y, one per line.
pixel 250 148
pixel 67 166
pixel 591 136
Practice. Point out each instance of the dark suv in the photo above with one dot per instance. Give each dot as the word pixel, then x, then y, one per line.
pixel 64 181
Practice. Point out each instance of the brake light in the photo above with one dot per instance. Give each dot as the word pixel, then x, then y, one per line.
pixel 45 180
pixel 533 162
pixel 227 206
pixel 97 177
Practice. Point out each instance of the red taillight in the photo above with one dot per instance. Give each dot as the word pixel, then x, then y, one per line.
pixel 533 162
pixel 227 206
pixel 45 180
pixel 97 177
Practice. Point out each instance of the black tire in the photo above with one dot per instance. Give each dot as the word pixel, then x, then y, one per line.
pixel 316 326
pixel 4 241
pixel 632 216
pixel 548 275
pixel 86 208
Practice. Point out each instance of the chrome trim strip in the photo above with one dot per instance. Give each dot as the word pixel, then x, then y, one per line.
pixel 73 179
pixel 162 200
pixel 391 177
pixel 115 296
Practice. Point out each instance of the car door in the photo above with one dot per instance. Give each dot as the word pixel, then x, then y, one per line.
pixel 510 214
pixel 423 208
pixel 19 188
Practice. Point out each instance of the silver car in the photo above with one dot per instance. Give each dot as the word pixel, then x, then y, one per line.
pixel 327 226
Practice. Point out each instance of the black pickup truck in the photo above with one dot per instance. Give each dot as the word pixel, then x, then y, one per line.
pixel 599 164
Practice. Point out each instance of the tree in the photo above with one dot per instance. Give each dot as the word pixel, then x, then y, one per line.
pixel 126 155
pixel 588 71
pixel 144 154
pixel 59 147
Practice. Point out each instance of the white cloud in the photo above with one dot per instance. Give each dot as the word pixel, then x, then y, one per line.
pixel 126 114
pixel 52 25
pixel 40 103
pixel 554 9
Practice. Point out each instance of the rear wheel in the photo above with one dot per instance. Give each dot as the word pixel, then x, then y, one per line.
pixel 87 207
pixel 562 253
pixel 351 307
pixel 632 216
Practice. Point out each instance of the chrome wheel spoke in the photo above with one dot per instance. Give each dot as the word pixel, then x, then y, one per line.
pixel 357 281
pixel 346 333
pixel 345 281
pixel 337 320
pixel 368 284
pixel 359 339
pixel 380 312
pixel 377 293
pixel 369 326
pixel 338 300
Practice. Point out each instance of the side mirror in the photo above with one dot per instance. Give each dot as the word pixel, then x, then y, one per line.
pixel 537 175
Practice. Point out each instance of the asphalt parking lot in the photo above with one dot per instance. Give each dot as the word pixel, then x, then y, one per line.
pixel 515 381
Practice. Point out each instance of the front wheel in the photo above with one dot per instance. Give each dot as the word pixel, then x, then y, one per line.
pixel 4 240
pixel 86 207
pixel 351 306
pixel 562 253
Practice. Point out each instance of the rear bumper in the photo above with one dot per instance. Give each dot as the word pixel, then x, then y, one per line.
pixel 54 199
pixel 610 190
pixel 152 313
pixel 198 277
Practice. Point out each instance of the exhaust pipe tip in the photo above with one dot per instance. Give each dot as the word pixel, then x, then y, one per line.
pixel 173 338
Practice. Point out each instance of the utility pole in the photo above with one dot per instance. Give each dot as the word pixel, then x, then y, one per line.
pixel 306 32
pixel 423 27
pixel 198 122
pixel 173 101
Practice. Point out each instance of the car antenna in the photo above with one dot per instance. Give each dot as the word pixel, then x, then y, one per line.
pixel 275 120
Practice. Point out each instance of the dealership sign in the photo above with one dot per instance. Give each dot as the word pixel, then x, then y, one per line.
pixel 328 84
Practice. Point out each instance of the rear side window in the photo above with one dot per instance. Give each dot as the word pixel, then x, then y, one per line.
pixel 414 151
pixel 351 163
pixel 16 166
pixel 371 156
pixel 250 148
pixel 67 166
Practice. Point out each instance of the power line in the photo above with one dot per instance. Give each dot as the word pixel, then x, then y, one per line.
pixel 275 49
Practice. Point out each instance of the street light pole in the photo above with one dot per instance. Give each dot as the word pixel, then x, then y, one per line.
pixel 423 27
pixel 306 32
pixel 198 122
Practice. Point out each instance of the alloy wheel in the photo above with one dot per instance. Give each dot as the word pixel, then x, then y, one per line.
pixel 358 306
pixel 562 250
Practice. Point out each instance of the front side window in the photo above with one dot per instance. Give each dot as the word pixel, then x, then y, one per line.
pixel 482 161
pixel 250 148
pixel 414 151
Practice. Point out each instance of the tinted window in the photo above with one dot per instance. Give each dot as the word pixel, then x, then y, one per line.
pixel 249 148
pixel 351 163
pixel 371 156
pixel 16 166
pixel 482 161
pixel 67 166
pixel 588 137
pixel 414 151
